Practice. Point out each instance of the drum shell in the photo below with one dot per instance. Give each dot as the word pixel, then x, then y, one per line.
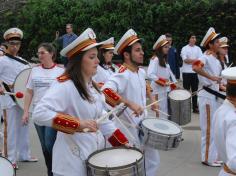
pixel 180 110
pixel 10 166
pixel 135 169
pixel 161 141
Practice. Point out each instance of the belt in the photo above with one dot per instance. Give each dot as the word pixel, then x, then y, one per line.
pixel 227 169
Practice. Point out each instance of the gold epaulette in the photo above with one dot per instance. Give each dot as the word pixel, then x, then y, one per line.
pixel 63 78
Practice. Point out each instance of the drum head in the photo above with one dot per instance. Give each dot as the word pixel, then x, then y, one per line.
pixel 6 168
pixel 179 94
pixel 115 157
pixel 20 85
pixel 161 126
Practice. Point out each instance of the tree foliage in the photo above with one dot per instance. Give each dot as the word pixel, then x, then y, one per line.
pixel 149 18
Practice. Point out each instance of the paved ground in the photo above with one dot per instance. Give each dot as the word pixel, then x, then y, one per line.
pixel 185 160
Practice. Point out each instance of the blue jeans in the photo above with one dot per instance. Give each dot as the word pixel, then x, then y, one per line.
pixel 47 137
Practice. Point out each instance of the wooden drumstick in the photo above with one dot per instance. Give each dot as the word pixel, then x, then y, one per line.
pixel 17 94
pixel 105 116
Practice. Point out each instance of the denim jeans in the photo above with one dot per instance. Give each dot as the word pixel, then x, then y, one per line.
pixel 47 137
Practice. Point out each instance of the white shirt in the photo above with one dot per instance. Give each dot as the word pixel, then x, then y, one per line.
pixel 40 80
pixel 9 69
pixel 213 67
pixel 71 150
pixel 225 133
pixel 190 52
pixel 155 71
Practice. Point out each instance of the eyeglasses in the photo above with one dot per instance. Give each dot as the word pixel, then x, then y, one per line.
pixel 41 53
pixel 14 43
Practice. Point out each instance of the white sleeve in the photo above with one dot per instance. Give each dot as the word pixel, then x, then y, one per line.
pixel 183 54
pixel 231 145
pixel 199 52
pixel 202 59
pixel 152 69
pixel 117 82
pixel 100 76
pixel 29 84
pixel 53 102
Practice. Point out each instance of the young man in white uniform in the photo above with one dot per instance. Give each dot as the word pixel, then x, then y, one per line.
pixel 225 125
pixel 10 66
pixel 208 68
pixel 129 86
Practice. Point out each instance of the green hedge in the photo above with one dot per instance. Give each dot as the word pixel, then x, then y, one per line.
pixel 149 18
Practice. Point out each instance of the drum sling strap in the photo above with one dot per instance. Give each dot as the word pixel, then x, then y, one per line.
pixel 17 59
pixel 213 92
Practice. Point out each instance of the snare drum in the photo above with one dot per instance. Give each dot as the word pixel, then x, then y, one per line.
pixel 161 133
pixel 6 168
pixel 20 86
pixel 116 162
pixel 180 106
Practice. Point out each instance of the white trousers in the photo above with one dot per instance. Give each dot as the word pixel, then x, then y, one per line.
pixel 207 108
pixel 17 135
pixel 152 161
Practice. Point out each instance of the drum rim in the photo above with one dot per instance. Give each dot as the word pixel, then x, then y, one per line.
pixel 177 134
pixel 14 171
pixel 113 168
pixel 30 68
pixel 179 100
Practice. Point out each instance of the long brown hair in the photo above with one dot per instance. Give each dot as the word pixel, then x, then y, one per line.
pixel 161 56
pixel 74 71
pixel 50 48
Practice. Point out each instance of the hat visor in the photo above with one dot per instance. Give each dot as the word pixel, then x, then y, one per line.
pixel 223 46
pixel 110 48
pixel 217 35
pixel 91 46
pixel 136 40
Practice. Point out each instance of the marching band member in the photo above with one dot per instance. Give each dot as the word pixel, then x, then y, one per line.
pixel 208 68
pixel 129 86
pixel 39 81
pixel 225 125
pixel 106 68
pixel 163 80
pixel 71 105
pixel 10 66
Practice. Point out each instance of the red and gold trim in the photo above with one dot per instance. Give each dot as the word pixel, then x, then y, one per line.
pixel 118 139
pixel 161 43
pixel 66 123
pixel 80 47
pixel 228 170
pixel 63 78
pixel 107 46
pixel 173 86
pixel 131 68
pixel 211 36
pixel 126 43
pixel 231 82
pixel 198 63
pixel 161 81
pixel 112 98
pixel 122 69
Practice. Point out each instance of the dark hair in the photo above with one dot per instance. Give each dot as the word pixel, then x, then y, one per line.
pixel 161 56
pixel 212 42
pixel 191 35
pixel 74 71
pixel 230 90
pixel 69 24
pixel 169 35
pixel 50 48
pixel 102 58
pixel 128 49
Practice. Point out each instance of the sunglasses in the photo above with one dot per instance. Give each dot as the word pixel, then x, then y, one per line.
pixel 14 43
pixel 41 53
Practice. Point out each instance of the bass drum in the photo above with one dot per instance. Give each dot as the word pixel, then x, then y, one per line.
pixel 20 86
